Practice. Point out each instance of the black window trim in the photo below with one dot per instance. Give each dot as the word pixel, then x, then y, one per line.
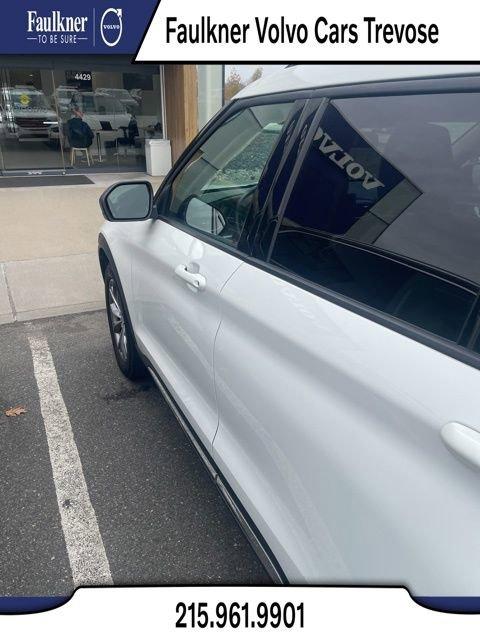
pixel 302 152
pixel 249 231
pixel 309 106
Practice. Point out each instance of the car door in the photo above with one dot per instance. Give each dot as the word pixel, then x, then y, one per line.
pixel 182 259
pixel 359 336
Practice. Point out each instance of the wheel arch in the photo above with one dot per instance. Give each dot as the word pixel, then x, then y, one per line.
pixel 105 255
pixel 105 258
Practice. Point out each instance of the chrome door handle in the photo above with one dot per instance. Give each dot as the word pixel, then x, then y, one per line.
pixel 463 441
pixel 196 280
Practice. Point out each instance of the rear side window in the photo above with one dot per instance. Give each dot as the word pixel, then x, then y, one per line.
pixel 386 208
pixel 215 190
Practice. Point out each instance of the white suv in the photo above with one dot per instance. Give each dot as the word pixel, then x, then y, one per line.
pixel 304 288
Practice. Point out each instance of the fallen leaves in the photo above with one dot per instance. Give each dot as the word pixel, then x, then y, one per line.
pixel 15 411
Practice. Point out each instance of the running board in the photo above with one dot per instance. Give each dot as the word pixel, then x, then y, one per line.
pixel 260 549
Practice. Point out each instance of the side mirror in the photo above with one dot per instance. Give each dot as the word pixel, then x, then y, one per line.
pixel 127 201
pixel 202 216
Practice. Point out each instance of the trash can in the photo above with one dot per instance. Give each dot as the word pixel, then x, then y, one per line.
pixel 158 155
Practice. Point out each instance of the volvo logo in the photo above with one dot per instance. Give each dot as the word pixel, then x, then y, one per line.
pixel 111 26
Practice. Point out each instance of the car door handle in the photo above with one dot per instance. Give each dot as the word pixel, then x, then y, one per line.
pixel 463 441
pixel 196 280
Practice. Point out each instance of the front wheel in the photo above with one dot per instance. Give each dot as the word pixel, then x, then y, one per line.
pixel 124 347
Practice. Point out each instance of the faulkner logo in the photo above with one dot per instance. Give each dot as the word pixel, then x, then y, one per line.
pixel 56 28
pixel 111 26
pixel 345 161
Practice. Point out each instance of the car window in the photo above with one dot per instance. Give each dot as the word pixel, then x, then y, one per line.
pixel 386 207
pixel 29 100
pixel 214 191
pixel 108 104
pixel 87 103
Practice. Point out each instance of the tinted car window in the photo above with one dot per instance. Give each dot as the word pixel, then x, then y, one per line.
pixel 214 192
pixel 386 207
pixel 385 284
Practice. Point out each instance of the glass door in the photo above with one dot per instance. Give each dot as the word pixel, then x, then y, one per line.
pixel 30 140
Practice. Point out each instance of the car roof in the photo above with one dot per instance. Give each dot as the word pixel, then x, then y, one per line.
pixel 312 76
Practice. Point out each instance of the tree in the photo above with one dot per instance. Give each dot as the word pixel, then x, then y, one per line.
pixel 256 75
pixel 233 84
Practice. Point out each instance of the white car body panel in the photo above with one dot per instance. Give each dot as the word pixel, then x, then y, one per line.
pixel 330 435
pixel 174 324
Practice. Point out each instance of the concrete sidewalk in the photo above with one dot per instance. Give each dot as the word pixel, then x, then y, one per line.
pixel 48 248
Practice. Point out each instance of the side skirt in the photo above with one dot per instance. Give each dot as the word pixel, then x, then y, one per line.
pixel 254 537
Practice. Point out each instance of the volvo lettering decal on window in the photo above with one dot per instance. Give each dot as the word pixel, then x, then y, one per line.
pixel 357 191
pixel 345 161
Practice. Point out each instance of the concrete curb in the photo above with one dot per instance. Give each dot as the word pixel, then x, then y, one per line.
pixel 48 287
pixel 51 312
pixel 38 314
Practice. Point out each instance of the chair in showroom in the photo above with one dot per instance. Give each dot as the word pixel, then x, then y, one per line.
pixel 85 150
pixel 80 138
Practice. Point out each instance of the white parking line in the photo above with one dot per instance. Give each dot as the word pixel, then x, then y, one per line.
pixel 86 552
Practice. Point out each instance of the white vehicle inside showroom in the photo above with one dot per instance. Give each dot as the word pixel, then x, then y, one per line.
pixel 304 288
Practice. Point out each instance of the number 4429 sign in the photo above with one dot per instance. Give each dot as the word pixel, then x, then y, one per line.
pixel 79 79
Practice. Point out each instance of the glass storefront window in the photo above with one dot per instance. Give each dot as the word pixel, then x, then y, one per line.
pixel 110 113
pixel 78 119
pixel 27 119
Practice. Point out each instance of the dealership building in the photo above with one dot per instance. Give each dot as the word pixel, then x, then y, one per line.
pixel 123 104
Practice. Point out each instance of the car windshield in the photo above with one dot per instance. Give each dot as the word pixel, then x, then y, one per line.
pixel 29 100
pixel 66 93
pixel 97 103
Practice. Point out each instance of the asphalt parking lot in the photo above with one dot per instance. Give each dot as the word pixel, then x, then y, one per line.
pixel 158 515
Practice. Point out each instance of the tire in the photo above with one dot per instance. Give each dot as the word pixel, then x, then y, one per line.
pixel 123 341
